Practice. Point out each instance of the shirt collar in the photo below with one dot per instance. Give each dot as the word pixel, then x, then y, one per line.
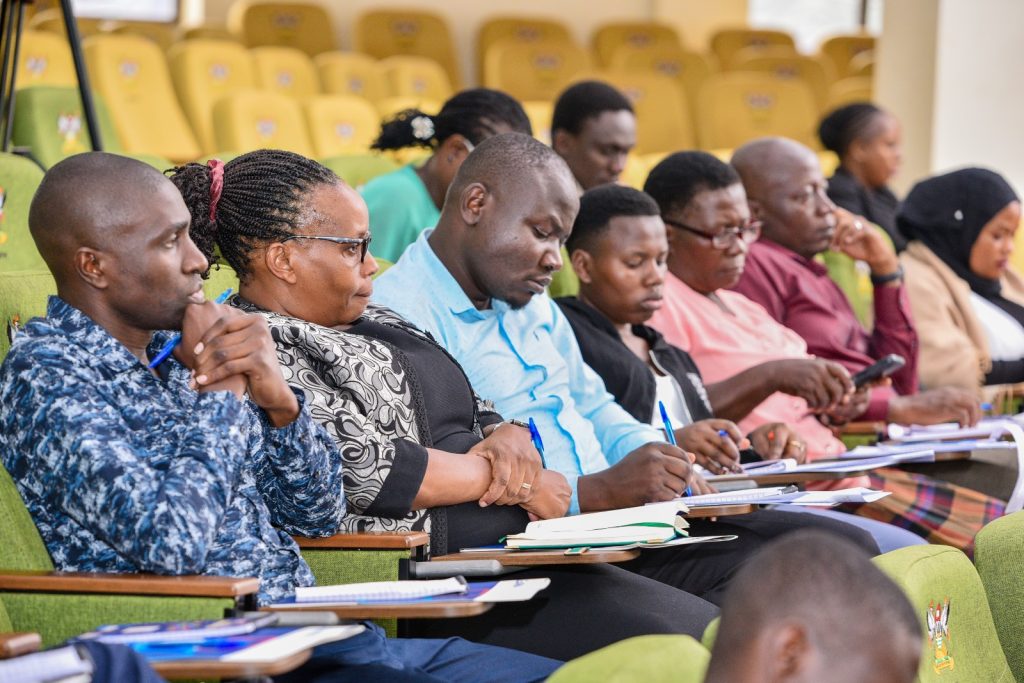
pixel 85 332
pixel 810 264
pixel 449 291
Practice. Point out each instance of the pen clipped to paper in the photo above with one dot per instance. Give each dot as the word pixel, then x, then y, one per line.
pixel 669 434
pixel 173 342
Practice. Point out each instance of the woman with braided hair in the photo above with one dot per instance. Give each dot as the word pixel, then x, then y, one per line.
pixel 405 202
pixel 421 451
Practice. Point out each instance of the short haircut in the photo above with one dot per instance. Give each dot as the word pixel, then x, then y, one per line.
pixel 847 124
pixel 679 177
pixel 820 580
pixel 583 101
pixel 598 206
pixel 504 159
pixel 473 114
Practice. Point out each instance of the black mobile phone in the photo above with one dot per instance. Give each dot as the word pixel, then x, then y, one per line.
pixel 879 369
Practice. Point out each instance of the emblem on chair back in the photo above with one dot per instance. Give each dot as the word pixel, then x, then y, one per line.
pixel 937 620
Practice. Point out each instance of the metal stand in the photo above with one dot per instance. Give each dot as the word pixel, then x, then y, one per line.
pixel 12 23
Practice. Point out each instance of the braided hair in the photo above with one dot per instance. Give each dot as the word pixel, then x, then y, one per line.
pixel 473 114
pixel 260 202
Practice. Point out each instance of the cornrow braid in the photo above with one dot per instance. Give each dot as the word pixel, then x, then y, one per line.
pixel 261 202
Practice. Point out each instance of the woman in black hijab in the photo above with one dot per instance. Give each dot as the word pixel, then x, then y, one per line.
pixel 968 304
pixel 867 141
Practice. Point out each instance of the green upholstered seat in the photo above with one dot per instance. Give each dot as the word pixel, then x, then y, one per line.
pixel 382 265
pixel 23 296
pixel 970 651
pixel 221 277
pixel 564 282
pixel 19 178
pixel 5 621
pixel 999 557
pixel 359 169
pixel 707 639
pixel 645 659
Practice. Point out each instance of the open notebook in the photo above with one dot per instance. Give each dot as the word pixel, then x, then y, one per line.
pixel 646 524
pixel 391 593
pixel 787 495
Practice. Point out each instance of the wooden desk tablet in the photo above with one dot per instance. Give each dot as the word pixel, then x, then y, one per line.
pixel 203 670
pixel 424 610
pixel 535 558
pixel 719 510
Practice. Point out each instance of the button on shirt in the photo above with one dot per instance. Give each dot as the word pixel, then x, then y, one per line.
pixel 123 471
pixel 526 361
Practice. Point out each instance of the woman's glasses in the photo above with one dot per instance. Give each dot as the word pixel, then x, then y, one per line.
pixel 362 242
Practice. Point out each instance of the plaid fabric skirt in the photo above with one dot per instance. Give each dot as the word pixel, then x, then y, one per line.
pixel 936 510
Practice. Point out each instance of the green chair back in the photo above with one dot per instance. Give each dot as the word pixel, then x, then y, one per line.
pixel 5 621
pixel 359 169
pixel 23 296
pixel 23 546
pixel 221 277
pixel 564 282
pixel 644 659
pixel 707 639
pixel 19 178
pixel 998 549
pixel 382 265
pixel 967 647
pixel 49 121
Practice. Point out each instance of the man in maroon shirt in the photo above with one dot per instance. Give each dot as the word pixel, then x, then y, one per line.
pixel 786 192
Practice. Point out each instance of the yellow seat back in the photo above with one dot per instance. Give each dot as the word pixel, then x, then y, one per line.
pixel 841 51
pixel 203 71
pixel 850 90
pixel 161 33
pixel 385 33
pixel 816 73
pixel 416 77
pixel 209 31
pixel 727 42
pixel 303 25
pixel 663 122
pixel 688 69
pixel 52 20
pixel 539 112
pixel 45 59
pixel 132 76
pixel 389 106
pixel 351 73
pixel 285 70
pixel 341 124
pixel 737 107
pixel 608 38
pixel 257 119
pixel 518 29
pixel 635 173
pixel 533 71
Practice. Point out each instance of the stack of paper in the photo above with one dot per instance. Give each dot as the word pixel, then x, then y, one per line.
pixel 788 495
pixel 656 523
pixel 986 429
pixel 480 591
pixel 381 590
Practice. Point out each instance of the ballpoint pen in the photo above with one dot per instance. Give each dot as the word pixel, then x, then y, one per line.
pixel 173 342
pixel 538 443
pixel 670 434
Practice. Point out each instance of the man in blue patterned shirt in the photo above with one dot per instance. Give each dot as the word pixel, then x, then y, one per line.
pixel 201 466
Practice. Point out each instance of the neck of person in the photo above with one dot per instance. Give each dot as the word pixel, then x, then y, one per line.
pixel 447 245
pixel 431 179
pixel 857 174
pixel 638 345
pixel 133 338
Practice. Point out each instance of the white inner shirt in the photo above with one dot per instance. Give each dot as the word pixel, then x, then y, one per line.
pixel 1005 335
pixel 669 392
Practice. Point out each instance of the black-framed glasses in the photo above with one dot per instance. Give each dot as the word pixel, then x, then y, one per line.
pixel 363 242
pixel 724 238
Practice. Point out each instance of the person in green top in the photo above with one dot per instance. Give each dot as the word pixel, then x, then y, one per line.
pixel 405 202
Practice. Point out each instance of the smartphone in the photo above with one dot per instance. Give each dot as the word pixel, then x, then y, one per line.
pixel 881 368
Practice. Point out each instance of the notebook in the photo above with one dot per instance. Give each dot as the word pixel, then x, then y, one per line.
pixel 645 524
pixel 266 645
pixel 179 630
pixel 516 590
pixel 381 590
pixel 789 495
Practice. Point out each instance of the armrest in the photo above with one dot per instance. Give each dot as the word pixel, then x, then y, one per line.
pixel 861 428
pixel 17 644
pixel 132 584
pixel 367 541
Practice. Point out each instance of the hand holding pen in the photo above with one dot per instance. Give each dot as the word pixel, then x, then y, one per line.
pixel 715 443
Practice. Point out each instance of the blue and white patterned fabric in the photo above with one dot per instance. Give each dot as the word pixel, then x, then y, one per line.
pixel 123 471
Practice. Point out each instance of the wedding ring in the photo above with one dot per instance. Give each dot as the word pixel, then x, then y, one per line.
pixel 857 225
pixel 526 486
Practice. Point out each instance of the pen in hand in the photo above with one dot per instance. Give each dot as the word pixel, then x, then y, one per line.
pixel 538 443
pixel 671 435
pixel 173 342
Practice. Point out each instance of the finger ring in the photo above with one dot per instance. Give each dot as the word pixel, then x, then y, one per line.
pixel 857 225
pixel 526 486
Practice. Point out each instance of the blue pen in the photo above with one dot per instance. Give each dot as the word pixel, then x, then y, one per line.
pixel 670 434
pixel 173 342
pixel 987 407
pixel 538 443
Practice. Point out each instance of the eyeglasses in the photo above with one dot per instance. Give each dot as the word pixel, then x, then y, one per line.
pixel 363 242
pixel 726 237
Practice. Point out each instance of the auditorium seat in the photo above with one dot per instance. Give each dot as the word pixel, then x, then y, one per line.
pixel 848 91
pixel 302 25
pixel 608 38
pixel 688 69
pixel 48 120
pixel 663 121
pixel 727 42
pixel 286 70
pixel 737 107
pixel 209 31
pixel 44 59
pixel 415 77
pixel 533 71
pixel 521 29
pixel 385 33
pixel 841 50
pixel 204 71
pixel 635 172
pixel 998 549
pixel 132 76
pixel 969 649
pixel 862 65
pixel 783 64
pixel 539 112
pixel 359 169
pixel 253 119
pixel 389 106
pixel 644 659
pixel 220 277
pixel 161 33
pixel 341 124
pixel 52 20
pixel 19 179
pixel 351 73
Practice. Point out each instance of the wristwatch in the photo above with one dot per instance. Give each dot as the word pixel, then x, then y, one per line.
pixel 897 274
pixel 517 423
